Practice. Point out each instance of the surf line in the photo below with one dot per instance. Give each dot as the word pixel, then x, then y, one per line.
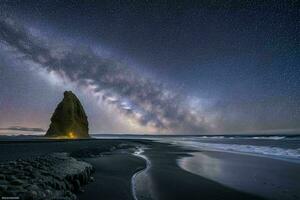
pixel 139 153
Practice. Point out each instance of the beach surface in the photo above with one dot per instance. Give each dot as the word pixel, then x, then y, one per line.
pixel 150 169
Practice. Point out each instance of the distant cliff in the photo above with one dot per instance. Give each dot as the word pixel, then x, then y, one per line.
pixel 69 119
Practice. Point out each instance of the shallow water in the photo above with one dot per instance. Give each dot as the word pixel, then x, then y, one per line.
pixel 141 181
pixel 274 179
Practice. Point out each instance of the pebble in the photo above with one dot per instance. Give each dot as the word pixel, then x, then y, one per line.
pixel 77 185
pixel 16 182
pixel 92 179
pixel 2 176
pixel 33 194
pixel 3 188
pixel 48 192
pixel 28 168
pixel 10 177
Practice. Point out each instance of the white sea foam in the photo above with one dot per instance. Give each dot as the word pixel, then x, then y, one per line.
pixel 269 137
pixel 252 149
pixel 244 137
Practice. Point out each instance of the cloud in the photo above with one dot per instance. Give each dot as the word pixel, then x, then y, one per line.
pixel 20 128
pixel 145 100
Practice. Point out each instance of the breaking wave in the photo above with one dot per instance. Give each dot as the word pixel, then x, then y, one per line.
pixel 252 149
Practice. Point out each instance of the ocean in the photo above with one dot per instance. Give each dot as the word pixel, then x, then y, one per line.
pixel 276 146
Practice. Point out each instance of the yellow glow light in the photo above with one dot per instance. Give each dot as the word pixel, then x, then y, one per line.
pixel 71 135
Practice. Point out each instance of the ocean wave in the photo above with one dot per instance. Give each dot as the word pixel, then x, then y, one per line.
pixel 269 137
pixel 244 137
pixel 252 149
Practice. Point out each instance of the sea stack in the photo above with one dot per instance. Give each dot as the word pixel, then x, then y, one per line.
pixel 69 119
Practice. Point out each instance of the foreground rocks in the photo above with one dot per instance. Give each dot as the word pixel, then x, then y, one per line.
pixel 69 119
pixel 54 176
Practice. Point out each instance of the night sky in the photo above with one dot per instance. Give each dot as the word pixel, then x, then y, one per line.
pixel 156 67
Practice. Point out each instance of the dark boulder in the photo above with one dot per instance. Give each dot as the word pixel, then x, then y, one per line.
pixel 69 119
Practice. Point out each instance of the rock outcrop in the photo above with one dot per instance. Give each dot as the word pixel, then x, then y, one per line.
pixel 52 176
pixel 69 119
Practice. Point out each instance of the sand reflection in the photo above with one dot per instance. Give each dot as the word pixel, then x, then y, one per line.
pixel 202 165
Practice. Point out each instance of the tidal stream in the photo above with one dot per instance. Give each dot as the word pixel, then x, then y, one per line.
pixel 141 181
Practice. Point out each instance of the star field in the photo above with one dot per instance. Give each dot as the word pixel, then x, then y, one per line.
pixel 180 67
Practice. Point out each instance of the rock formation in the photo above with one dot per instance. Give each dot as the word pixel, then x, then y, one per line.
pixel 52 176
pixel 69 119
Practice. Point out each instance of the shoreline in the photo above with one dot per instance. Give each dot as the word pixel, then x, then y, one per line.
pixel 234 149
pixel 123 164
pixel 170 182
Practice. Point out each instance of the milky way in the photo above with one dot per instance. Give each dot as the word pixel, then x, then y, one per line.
pixel 149 102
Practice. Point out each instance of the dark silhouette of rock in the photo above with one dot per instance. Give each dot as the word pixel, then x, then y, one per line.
pixel 69 119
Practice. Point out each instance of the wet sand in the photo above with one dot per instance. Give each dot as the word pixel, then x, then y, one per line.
pixel 112 177
pixel 169 181
pixel 267 177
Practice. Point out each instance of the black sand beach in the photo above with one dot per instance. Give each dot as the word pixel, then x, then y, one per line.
pixel 171 182
pixel 113 177
pixel 115 165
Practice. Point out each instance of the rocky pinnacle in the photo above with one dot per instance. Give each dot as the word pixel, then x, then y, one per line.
pixel 69 119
